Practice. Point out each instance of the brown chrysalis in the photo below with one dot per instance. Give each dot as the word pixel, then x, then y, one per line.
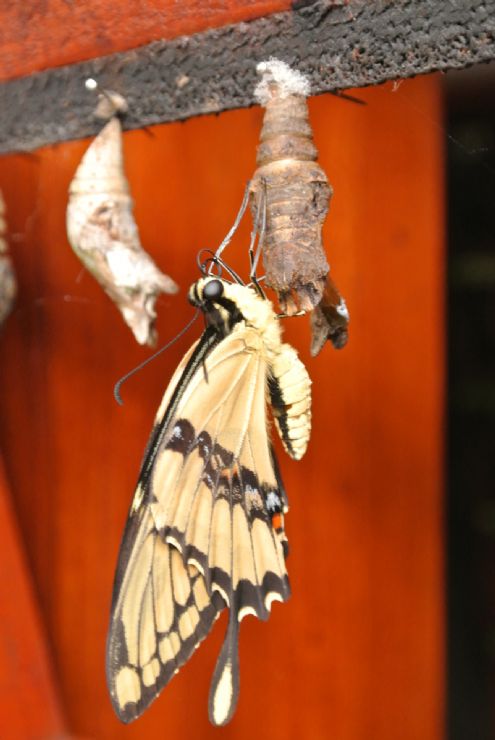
pixel 294 187
pixel 294 192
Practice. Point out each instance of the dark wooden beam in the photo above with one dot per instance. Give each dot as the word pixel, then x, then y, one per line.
pixel 339 44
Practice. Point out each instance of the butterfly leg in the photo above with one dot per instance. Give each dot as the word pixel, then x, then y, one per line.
pixel 236 223
pixel 259 229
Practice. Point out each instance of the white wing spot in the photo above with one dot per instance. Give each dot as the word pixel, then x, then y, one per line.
pixel 253 498
pixel 245 611
pixel 272 501
pixel 137 500
pixel 270 598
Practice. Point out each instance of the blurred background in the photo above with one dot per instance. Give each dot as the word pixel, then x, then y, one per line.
pixel 470 129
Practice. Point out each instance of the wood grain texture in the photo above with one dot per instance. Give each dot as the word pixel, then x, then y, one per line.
pixel 57 32
pixel 29 700
pixel 358 650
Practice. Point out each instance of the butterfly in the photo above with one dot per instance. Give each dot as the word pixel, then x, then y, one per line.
pixel 205 529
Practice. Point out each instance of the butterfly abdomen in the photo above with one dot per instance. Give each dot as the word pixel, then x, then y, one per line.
pixel 290 395
pixel 288 380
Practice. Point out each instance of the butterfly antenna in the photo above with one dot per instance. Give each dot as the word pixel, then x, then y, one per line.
pixel 118 385
pixel 231 272
pixel 213 260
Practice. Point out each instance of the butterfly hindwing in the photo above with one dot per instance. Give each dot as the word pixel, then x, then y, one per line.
pixel 160 616
pixel 200 534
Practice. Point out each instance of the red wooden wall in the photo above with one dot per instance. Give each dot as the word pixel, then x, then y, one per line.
pixel 30 705
pixel 59 32
pixel 358 652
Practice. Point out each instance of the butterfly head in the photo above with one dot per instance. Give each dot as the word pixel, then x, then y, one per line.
pixel 218 300
pixel 207 290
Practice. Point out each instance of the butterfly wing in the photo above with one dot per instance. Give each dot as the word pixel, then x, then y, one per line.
pixel 204 530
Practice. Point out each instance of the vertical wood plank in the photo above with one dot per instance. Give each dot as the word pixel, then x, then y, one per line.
pixel 357 653
pixel 29 701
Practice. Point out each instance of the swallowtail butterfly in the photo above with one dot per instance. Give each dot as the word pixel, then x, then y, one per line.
pixel 205 529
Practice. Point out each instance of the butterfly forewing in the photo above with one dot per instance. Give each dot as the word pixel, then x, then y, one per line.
pixel 200 534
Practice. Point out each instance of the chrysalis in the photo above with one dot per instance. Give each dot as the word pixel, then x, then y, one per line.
pixel 103 233
pixel 290 194
pixel 292 186
pixel 329 320
pixel 8 286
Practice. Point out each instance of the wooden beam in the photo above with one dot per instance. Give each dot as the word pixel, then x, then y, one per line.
pixel 343 44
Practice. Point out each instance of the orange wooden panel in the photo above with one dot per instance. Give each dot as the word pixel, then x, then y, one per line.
pixel 29 702
pixel 58 32
pixel 357 654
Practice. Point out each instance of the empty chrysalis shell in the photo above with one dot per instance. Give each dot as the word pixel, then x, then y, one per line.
pixel 104 235
pixel 329 320
pixel 8 285
pixel 293 188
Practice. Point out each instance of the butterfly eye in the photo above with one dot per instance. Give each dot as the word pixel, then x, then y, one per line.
pixel 213 290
